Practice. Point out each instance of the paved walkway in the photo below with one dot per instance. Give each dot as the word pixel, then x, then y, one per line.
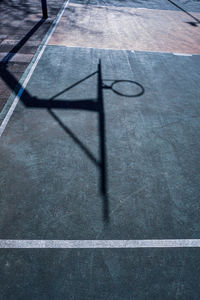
pixel 17 19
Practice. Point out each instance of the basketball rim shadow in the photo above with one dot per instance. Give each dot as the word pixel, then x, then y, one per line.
pixel 96 105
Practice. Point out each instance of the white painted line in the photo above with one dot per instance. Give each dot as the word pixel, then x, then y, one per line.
pixel 44 44
pixel 124 49
pixel 77 244
pixel 182 54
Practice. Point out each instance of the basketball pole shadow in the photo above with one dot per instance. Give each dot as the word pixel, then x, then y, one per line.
pixel 21 43
pixel 96 105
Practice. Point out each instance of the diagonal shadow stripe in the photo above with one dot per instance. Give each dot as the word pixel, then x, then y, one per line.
pixel 75 138
pixel 22 42
pixel 185 11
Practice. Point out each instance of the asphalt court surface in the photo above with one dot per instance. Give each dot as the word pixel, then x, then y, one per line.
pixel 103 167
pixel 151 150
pixel 100 274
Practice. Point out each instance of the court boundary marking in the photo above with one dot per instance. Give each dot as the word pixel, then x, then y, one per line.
pixel 13 100
pixel 30 70
pixel 99 244
pixel 78 244
pixel 130 50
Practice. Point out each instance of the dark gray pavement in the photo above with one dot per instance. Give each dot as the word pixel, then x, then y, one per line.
pixel 100 274
pixel 151 150
pixel 81 162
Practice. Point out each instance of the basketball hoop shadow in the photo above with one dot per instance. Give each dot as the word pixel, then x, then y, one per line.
pixel 96 105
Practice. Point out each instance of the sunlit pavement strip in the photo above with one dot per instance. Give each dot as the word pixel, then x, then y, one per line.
pixel 125 28
pixel 68 244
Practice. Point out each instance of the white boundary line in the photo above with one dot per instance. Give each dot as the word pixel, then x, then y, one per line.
pixel 128 49
pixel 44 44
pixel 69 244
pixel 182 54
pixel 94 244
